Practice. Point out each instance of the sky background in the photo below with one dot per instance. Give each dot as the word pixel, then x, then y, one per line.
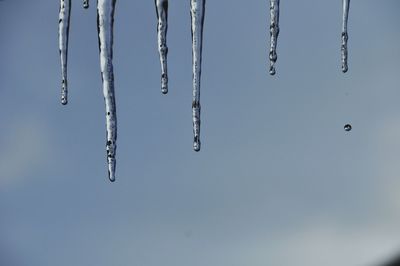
pixel 277 182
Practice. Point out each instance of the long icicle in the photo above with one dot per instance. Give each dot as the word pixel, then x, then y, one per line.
pixel 345 36
pixel 162 28
pixel 86 4
pixel 274 32
pixel 197 9
pixel 63 36
pixel 105 23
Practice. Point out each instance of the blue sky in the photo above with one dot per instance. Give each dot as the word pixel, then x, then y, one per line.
pixel 278 180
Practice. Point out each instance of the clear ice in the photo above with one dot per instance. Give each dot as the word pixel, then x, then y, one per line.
pixel 85 3
pixel 63 35
pixel 345 36
pixel 197 9
pixel 274 32
pixel 105 23
pixel 162 28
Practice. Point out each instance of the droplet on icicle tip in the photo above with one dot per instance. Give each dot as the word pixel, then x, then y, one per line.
pixel 86 4
pixel 347 127
pixel 272 70
pixel 164 84
pixel 64 93
pixel 196 144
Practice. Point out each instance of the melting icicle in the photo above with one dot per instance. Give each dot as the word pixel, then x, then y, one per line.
pixel 345 36
pixel 197 9
pixel 105 23
pixel 63 35
pixel 162 27
pixel 274 32
pixel 85 3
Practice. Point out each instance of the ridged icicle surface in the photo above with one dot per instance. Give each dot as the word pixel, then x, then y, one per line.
pixel 197 9
pixel 105 23
pixel 274 32
pixel 63 36
pixel 345 35
pixel 162 28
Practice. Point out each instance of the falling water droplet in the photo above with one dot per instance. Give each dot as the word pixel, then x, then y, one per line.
pixel 162 28
pixel 274 32
pixel 105 24
pixel 345 36
pixel 85 3
pixel 63 36
pixel 197 10
pixel 348 127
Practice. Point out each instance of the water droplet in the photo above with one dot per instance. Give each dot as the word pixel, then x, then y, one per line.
pixel 347 127
pixel 196 144
pixel 164 84
pixel 272 70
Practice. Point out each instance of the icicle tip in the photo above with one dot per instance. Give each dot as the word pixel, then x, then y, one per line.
pixel 64 93
pixel 164 84
pixel 196 144
pixel 111 170
pixel 272 70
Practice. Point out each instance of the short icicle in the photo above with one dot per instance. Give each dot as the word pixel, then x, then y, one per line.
pixel 85 4
pixel 345 36
pixel 63 35
pixel 197 9
pixel 105 23
pixel 162 28
pixel 274 32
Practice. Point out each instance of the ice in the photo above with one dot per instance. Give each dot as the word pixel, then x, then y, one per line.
pixel 63 35
pixel 197 9
pixel 105 23
pixel 162 28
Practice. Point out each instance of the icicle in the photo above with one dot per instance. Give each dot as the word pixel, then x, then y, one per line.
pixel 63 35
pixel 162 27
pixel 345 36
pixel 197 9
pixel 274 32
pixel 85 3
pixel 105 23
